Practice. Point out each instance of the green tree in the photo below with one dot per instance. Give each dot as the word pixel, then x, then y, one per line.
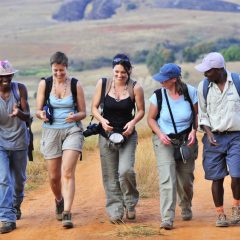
pixel 232 53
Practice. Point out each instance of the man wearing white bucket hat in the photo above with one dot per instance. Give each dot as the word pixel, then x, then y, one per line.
pixel 14 140
pixel 219 106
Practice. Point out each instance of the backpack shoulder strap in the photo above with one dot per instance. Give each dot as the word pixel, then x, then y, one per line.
pixel 49 82
pixel 187 98
pixel 158 93
pixel 74 82
pixel 236 81
pixel 130 86
pixel 104 91
pixel 15 91
pixel 205 88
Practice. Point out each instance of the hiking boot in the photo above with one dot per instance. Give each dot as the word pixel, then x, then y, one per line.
pixel 186 214
pixel 6 227
pixel 235 215
pixel 59 209
pixel 222 221
pixel 167 225
pixel 131 214
pixel 116 220
pixel 18 212
pixel 67 220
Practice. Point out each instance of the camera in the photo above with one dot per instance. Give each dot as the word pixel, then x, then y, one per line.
pixel 92 129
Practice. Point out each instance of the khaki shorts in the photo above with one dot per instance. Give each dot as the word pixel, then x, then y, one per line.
pixel 55 141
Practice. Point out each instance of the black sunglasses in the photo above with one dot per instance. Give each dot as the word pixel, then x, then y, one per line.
pixel 118 60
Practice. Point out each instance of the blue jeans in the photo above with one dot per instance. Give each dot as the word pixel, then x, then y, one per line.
pixel 12 180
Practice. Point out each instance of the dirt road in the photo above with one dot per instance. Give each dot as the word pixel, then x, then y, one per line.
pixel 91 221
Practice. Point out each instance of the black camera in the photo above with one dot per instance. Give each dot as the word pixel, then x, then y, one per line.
pixel 92 129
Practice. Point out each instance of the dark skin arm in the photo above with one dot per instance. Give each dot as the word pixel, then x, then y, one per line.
pixel 24 112
pixel 210 135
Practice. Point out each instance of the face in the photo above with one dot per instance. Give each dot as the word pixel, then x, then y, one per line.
pixel 169 83
pixel 59 71
pixel 213 75
pixel 5 81
pixel 120 73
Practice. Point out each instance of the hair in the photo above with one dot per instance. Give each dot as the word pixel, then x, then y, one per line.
pixel 59 58
pixel 123 60
pixel 179 85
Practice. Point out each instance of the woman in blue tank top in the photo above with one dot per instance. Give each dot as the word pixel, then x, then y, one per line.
pixel 118 138
pixel 62 138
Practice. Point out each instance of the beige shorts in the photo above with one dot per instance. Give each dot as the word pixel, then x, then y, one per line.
pixel 55 141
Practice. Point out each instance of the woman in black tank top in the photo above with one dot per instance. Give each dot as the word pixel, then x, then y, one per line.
pixel 119 116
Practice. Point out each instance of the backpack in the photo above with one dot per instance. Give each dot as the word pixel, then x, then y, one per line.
pixel 17 95
pixel 49 83
pixel 158 93
pixel 236 82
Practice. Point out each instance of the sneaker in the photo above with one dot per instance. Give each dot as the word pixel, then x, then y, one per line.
pixel 116 220
pixel 222 221
pixel 7 227
pixel 67 220
pixel 59 209
pixel 186 214
pixel 18 212
pixel 167 225
pixel 131 214
pixel 235 215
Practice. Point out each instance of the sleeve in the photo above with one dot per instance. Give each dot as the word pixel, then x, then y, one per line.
pixel 153 99
pixel 203 118
pixel 193 94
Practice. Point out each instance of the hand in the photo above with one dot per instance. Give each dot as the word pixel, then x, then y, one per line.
pixel 164 139
pixel 15 111
pixel 43 116
pixel 129 127
pixel 211 139
pixel 71 117
pixel 191 137
pixel 105 125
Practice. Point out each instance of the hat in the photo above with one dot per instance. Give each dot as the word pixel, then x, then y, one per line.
pixel 212 60
pixel 167 71
pixel 6 68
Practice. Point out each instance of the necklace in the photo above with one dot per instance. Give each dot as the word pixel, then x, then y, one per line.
pixel 64 90
pixel 118 94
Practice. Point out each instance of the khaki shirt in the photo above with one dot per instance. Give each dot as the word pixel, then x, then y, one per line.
pixel 222 112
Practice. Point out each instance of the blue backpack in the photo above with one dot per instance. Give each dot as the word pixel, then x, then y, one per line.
pixel 236 81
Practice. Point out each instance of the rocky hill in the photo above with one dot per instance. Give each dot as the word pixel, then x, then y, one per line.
pixel 74 10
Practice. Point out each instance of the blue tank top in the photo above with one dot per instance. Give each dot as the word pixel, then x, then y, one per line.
pixel 61 108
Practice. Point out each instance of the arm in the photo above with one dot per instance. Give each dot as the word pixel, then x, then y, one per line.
pixel 95 104
pixel 192 134
pixel 152 123
pixel 81 114
pixel 140 104
pixel 40 114
pixel 24 112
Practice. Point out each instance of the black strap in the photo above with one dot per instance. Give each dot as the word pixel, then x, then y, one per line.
pixel 158 93
pixel 170 111
pixel 104 83
pixel 74 92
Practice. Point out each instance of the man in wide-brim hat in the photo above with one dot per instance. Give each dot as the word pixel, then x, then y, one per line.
pixel 14 140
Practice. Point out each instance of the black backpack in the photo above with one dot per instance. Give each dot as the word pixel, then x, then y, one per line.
pixel 158 93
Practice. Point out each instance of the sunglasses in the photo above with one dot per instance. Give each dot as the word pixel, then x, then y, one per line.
pixel 118 60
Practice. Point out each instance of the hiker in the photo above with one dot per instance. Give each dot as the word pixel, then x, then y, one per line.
pixel 62 138
pixel 118 137
pixel 176 174
pixel 219 107
pixel 14 140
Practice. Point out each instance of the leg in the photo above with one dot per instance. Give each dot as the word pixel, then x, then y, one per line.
pixel 54 175
pixel 7 212
pixel 218 192
pixel 69 161
pixel 127 176
pixel 109 162
pixel 167 180
pixel 235 185
pixel 18 172
pixel 185 178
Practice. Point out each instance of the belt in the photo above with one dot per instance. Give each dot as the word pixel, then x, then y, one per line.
pixel 224 132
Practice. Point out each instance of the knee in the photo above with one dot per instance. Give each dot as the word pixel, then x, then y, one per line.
pixel 54 178
pixel 67 174
pixel 126 173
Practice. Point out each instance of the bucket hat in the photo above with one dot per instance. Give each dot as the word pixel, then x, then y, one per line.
pixel 6 68
pixel 167 71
